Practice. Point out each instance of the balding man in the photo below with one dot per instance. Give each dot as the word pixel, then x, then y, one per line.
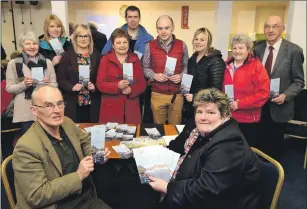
pixel 166 100
pixel 283 61
pixel 52 161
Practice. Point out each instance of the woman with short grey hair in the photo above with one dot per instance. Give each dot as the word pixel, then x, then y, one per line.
pixel 24 73
pixel 248 85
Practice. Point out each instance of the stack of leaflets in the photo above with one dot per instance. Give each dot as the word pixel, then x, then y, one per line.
pixel 186 83
pixel 155 161
pixel 123 151
pixel 153 133
pixel 97 143
pixel 143 142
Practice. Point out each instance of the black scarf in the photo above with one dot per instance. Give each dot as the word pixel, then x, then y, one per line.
pixel 23 58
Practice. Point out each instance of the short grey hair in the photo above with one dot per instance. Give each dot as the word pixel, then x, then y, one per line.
pixel 241 38
pixel 38 88
pixel 28 35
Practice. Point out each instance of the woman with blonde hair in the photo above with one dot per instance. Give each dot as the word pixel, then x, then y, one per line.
pixel 207 67
pixel 53 29
pixel 79 90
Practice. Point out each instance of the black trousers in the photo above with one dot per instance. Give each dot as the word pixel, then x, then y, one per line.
pixel 83 114
pixel 272 134
pixel 251 133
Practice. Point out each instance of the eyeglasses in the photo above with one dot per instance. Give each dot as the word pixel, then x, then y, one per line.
pixel 274 27
pixel 50 106
pixel 83 37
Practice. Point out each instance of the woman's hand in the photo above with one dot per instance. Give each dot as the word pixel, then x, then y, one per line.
pixel 123 84
pixel 126 91
pixel 56 60
pixel 77 87
pixel 189 97
pixel 28 81
pixel 107 154
pixel 158 184
pixel 91 86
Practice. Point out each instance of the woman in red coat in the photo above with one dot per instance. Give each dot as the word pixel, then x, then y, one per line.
pixel 120 97
pixel 250 85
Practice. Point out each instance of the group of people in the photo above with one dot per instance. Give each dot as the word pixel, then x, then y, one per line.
pixel 216 167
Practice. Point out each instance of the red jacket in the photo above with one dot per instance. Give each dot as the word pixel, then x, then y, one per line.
pixel 251 85
pixel 5 97
pixel 158 60
pixel 115 106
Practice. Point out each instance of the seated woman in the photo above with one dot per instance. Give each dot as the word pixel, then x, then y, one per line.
pixel 19 78
pixel 81 95
pixel 120 95
pixel 53 28
pixel 250 85
pixel 217 169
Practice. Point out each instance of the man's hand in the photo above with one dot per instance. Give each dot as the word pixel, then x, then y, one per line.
pixel 86 166
pixel 160 77
pixel 77 87
pixel 189 97
pixel 107 154
pixel 280 99
pixel 91 86
pixel 176 78
pixel 46 80
pixel 126 91
pixel 123 84
pixel 158 184
pixel 28 81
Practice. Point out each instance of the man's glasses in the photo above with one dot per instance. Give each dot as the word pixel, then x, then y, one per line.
pixel 83 37
pixel 274 27
pixel 50 106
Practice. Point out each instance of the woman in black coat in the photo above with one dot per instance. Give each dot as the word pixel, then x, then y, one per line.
pixel 80 93
pixel 207 67
pixel 53 28
pixel 217 168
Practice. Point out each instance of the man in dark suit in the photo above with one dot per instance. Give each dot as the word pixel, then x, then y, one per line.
pixel 99 38
pixel 283 61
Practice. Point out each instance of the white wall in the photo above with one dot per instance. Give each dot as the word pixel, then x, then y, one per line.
pixel 39 13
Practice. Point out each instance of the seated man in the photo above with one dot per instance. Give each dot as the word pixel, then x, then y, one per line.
pixel 52 161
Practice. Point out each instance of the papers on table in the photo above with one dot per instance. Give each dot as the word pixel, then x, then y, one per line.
pixel 153 133
pixel 110 125
pixel 84 74
pixel 155 161
pixel 274 87
pixel 57 46
pixel 180 128
pixel 37 74
pixel 128 72
pixel 168 139
pixel 186 83
pixel 143 142
pixel 230 92
pixel 97 143
pixel 123 151
pixel 170 66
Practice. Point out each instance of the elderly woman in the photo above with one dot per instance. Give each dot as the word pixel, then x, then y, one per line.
pixel 80 93
pixel 247 81
pixel 207 67
pixel 217 168
pixel 19 77
pixel 53 28
pixel 120 97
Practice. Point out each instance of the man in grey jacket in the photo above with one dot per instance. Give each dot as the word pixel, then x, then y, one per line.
pixel 283 61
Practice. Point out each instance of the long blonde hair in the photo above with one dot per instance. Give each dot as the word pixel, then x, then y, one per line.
pixel 48 20
pixel 81 28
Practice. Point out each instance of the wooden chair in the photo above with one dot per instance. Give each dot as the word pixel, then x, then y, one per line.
pixel 7 173
pixel 272 178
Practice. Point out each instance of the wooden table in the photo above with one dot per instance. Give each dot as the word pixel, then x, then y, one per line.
pixel 168 129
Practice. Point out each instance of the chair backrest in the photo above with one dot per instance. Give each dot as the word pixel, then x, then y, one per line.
pixel 300 104
pixel 7 173
pixel 272 178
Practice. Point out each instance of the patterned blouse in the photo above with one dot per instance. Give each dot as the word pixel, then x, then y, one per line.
pixel 84 94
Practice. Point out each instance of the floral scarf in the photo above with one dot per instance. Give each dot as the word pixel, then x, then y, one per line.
pixel 84 94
